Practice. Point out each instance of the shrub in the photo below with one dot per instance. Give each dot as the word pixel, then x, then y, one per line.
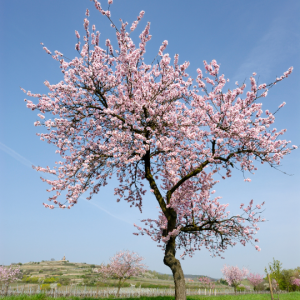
pixel 50 280
pixel 45 287
pixel 29 279
pixel 64 281
pixel 223 281
pixel 260 287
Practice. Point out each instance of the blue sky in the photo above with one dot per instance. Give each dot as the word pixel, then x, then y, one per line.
pixel 244 36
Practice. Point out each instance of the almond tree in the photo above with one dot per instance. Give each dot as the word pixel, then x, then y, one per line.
pixel 8 275
pixel 122 266
pixel 207 282
pixel 234 275
pixel 255 279
pixel 152 125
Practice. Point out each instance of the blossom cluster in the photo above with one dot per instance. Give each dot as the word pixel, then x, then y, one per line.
pixel 207 282
pixel 9 274
pixel 295 281
pixel 233 275
pixel 255 279
pixel 123 265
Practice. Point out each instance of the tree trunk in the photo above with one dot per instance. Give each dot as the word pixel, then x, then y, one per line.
pixel 175 266
pixel 6 289
pixel 119 287
pixel 235 286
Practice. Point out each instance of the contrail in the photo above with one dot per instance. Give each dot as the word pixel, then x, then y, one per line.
pixel 16 155
pixel 29 164
pixel 106 211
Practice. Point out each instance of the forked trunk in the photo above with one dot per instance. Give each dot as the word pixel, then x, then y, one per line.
pixel 175 266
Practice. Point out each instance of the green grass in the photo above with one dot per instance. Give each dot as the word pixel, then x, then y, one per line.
pixel 289 296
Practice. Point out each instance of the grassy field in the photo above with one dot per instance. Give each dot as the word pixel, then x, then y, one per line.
pixel 289 296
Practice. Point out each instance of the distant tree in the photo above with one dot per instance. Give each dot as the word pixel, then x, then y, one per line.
pixel 152 124
pixel 8 275
pixel 274 269
pixel 255 279
pixel 122 266
pixel 207 282
pixel 234 275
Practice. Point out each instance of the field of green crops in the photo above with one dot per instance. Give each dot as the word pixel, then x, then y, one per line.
pixel 289 296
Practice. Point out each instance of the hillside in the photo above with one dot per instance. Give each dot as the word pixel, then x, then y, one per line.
pixel 82 274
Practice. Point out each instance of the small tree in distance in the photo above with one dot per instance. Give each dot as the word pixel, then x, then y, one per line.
pixel 151 123
pixel 255 279
pixel 234 275
pixel 207 282
pixel 8 275
pixel 122 266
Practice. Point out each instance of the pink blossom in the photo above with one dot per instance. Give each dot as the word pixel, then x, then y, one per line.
pixel 9 275
pixel 282 105
pixel 255 279
pixel 122 266
pixel 113 114
pixel 295 281
pixel 234 275
pixel 207 282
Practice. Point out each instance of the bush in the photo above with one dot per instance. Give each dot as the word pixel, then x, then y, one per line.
pixel 223 281
pixel 45 287
pixel 64 281
pixel 50 280
pixel 260 287
pixel 29 279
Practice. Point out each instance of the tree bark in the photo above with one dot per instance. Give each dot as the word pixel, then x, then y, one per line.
pixel 175 266
pixel 119 287
pixel 6 289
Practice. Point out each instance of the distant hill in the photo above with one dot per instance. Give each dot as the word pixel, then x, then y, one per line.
pixel 190 276
pixel 68 273
pixel 197 276
pixel 80 272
